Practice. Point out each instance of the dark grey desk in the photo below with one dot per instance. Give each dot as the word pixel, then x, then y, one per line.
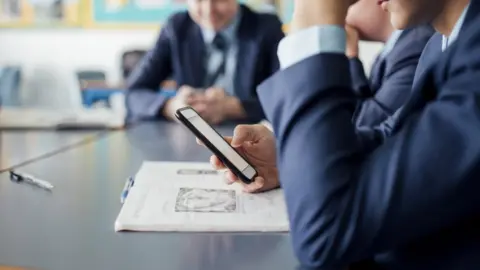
pixel 72 228
pixel 19 147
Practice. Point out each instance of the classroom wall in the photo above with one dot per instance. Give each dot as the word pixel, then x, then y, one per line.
pixel 49 58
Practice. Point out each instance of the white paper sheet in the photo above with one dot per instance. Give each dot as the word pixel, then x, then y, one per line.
pixel 171 196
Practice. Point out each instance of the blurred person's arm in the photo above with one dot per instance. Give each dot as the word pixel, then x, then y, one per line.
pixel 360 83
pixel 249 108
pixel 144 101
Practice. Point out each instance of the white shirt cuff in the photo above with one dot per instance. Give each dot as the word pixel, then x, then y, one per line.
pixel 311 41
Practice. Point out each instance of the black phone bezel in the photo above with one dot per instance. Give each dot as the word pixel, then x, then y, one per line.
pixel 212 148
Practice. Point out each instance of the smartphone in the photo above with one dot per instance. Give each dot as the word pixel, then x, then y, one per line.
pixel 217 144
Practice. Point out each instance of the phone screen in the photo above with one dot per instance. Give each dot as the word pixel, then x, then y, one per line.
pixel 215 139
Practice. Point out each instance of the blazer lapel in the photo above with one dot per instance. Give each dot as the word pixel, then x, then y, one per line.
pixel 423 88
pixel 472 13
pixel 434 47
pixel 377 72
pixel 194 51
pixel 429 56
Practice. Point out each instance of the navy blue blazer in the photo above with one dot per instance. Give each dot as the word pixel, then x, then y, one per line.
pixel 412 202
pixel 179 53
pixel 391 78
pixel 371 136
pixel 429 55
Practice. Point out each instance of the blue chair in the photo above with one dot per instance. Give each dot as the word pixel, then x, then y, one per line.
pixel 92 95
pixel 129 60
pixel 10 79
pixel 88 77
pixel 85 77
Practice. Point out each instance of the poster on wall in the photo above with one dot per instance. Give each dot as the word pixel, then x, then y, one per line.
pixel 110 13
pixel 125 13
pixel 39 13
pixel 283 8
pixel 269 6
pixel 286 10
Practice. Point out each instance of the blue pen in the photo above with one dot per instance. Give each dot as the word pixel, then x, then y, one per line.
pixel 126 189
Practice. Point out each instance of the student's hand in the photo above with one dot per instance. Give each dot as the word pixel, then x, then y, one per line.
pixel 185 96
pixel 212 106
pixel 307 13
pixel 257 144
pixel 353 38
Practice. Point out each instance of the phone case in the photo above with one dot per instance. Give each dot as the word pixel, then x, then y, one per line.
pixel 212 148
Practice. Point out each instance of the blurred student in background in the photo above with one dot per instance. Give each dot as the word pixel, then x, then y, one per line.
pixel 217 52
pixel 392 73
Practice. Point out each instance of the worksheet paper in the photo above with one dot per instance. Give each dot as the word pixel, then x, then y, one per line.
pixel 183 196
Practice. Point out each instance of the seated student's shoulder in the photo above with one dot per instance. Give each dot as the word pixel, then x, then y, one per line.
pixel 422 33
pixel 269 18
pixel 469 39
pixel 179 22
pixel 262 19
pixel 462 58
pixel 413 40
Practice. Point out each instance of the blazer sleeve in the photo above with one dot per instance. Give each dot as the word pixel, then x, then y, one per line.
pixel 346 204
pixel 273 35
pixel 143 98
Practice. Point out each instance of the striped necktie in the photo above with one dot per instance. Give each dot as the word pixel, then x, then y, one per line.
pixel 220 44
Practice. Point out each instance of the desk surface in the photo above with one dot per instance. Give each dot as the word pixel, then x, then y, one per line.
pixel 73 227
pixel 19 147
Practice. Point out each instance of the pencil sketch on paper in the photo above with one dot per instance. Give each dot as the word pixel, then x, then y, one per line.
pixel 206 200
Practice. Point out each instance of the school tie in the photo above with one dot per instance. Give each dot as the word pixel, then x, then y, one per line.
pixel 220 44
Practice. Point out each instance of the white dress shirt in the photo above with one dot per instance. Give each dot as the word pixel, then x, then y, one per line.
pixel 447 41
pixel 311 41
pixel 215 57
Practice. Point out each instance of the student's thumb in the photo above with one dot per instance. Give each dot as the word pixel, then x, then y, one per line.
pixel 242 134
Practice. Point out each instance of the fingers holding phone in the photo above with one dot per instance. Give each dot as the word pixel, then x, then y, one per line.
pixel 257 144
pixel 249 155
pixel 258 185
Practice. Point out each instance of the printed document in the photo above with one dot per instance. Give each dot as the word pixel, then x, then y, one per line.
pixel 184 196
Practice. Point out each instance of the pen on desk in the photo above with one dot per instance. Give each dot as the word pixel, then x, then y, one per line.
pixel 29 179
pixel 126 189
